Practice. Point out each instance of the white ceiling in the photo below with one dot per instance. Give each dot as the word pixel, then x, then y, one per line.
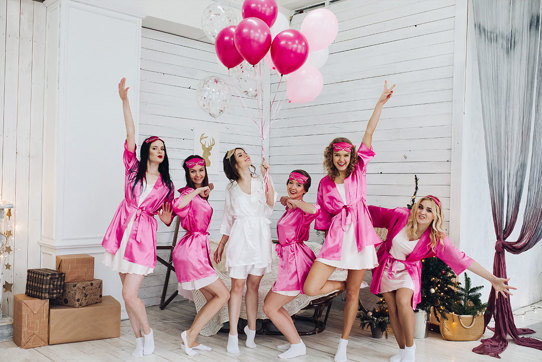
pixel 183 17
pixel 297 4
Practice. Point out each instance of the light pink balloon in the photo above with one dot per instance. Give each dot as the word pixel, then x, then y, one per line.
pixel 304 85
pixel 320 27
pixel 262 9
pixel 252 39
pixel 225 48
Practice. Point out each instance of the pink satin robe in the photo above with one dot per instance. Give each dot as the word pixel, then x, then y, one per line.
pixel 295 258
pixel 335 215
pixel 192 254
pixel 141 246
pixel 395 220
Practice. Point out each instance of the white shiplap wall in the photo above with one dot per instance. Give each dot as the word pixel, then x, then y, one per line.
pixel 22 79
pixel 171 70
pixel 410 43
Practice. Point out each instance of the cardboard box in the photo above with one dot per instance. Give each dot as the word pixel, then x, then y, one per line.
pixel 97 321
pixel 44 283
pixel 30 321
pixel 76 267
pixel 81 294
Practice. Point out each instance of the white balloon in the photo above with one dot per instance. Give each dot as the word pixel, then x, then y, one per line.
pixel 216 17
pixel 245 77
pixel 213 95
pixel 318 58
pixel 281 23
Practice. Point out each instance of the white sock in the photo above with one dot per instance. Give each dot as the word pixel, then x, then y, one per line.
pixel 233 344
pixel 189 351
pixel 202 347
pixel 409 355
pixel 250 337
pixel 397 357
pixel 340 356
pixel 295 350
pixel 148 347
pixel 283 347
pixel 138 351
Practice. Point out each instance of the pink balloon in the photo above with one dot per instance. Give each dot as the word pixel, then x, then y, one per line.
pixel 289 51
pixel 304 85
pixel 320 27
pixel 225 48
pixel 265 10
pixel 252 39
pixel 269 61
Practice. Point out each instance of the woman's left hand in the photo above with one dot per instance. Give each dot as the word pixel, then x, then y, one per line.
pixel 500 285
pixel 265 166
pixel 386 93
pixel 166 213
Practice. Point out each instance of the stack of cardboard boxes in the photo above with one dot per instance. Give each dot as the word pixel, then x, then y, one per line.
pixel 64 305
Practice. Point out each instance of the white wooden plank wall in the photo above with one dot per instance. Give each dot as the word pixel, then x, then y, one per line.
pixel 410 43
pixel 22 79
pixel 171 70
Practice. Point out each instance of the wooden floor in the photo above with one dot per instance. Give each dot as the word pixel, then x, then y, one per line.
pixel 169 323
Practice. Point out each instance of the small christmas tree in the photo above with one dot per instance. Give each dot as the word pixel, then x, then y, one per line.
pixel 469 302
pixel 377 318
pixel 438 289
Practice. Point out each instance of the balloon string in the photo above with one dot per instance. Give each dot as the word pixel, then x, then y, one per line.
pixel 275 95
pixel 263 124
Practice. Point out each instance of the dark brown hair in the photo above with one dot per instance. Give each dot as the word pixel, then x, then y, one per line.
pixel 329 166
pixel 230 164
pixel 189 181
pixel 307 184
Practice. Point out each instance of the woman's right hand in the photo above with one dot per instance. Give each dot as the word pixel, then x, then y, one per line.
pixel 284 200
pixel 204 191
pixel 123 90
pixel 218 252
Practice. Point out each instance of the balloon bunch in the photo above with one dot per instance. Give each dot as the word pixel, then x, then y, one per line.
pixel 264 33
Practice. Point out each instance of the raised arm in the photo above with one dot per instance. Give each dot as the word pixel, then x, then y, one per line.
pixel 499 284
pixel 304 206
pixel 128 119
pixel 375 117
pixel 269 190
pixel 184 200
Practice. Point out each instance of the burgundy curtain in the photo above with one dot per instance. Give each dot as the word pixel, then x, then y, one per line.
pixel 510 68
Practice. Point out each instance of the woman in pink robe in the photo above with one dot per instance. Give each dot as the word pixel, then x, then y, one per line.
pixel 130 240
pixel 192 255
pixel 350 236
pixel 412 236
pixel 295 260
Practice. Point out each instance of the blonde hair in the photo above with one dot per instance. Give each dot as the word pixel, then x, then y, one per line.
pixel 437 229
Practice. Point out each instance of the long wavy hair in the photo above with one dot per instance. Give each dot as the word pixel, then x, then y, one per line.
pixel 163 168
pixel 230 166
pixel 437 229
pixel 189 181
pixel 329 166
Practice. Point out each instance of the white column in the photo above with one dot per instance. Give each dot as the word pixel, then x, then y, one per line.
pixel 89 48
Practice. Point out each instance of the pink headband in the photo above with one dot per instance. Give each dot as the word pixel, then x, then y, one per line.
pixel 435 199
pixel 193 162
pixel 342 146
pixel 298 177
pixel 152 139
